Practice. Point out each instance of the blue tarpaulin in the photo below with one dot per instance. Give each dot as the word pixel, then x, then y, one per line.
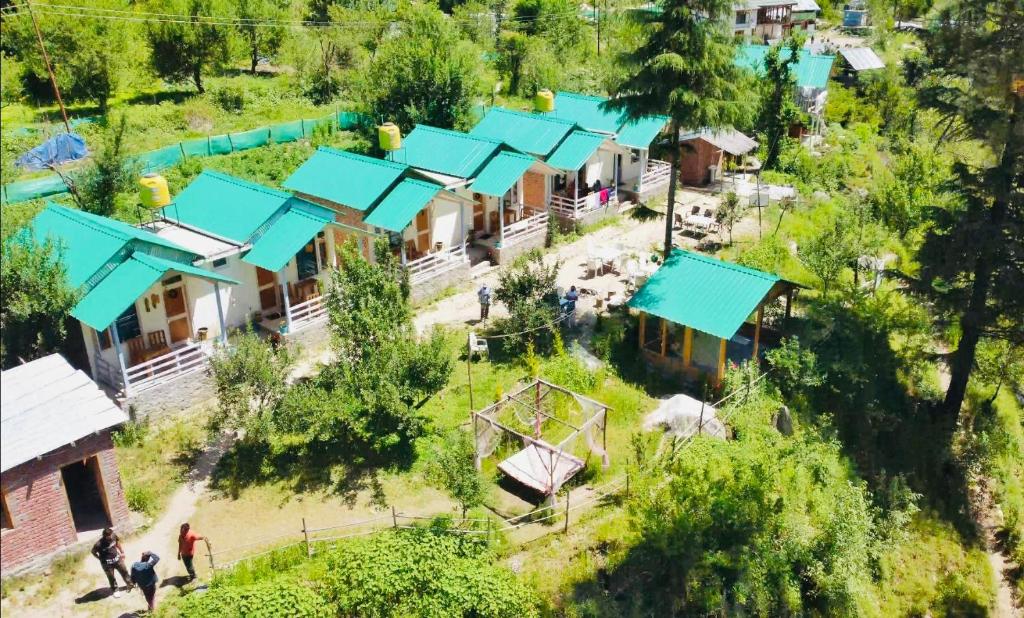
pixel 60 148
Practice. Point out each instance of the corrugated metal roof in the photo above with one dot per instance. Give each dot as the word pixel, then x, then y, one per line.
pixel 575 149
pixel 862 58
pixel 806 6
pixel 445 151
pixel 89 241
pixel 640 133
pixel 229 207
pixel 399 206
pixel 47 404
pixel 124 284
pixel 345 178
pixel 731 141
pixel 287 235
pixel 811 70
pixel 501 173
pixel 757 4
pixel 533 133
pixel 203 245
pixel 586 111
pixel 710 295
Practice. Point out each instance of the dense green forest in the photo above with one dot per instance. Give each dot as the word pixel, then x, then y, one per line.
pixel 905 400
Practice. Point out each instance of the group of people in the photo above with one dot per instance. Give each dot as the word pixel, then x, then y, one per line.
pixel 110 553
pixel 567 303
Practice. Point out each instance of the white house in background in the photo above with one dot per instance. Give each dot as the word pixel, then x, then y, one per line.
pixel 147 310
pixel 765 21
pixel 273 243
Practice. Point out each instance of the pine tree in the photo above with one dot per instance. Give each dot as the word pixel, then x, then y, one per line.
pixel 973 256
pixel 684 68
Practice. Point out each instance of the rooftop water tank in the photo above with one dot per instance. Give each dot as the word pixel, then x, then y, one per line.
pixel 544 102
pixel 389 136
pixel 154 192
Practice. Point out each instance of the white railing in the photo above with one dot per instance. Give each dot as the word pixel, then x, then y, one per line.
pixel 655 176
pixel 187 359
pixel 433 264
pixel 529 227
pixel 570 208
pixel 307 313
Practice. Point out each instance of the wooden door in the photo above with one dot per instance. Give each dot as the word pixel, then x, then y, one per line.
pixel 423 231
pixel 266 283
pixel 533 189
pixel 479 208
pixel 176 309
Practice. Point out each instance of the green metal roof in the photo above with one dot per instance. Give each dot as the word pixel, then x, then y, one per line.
pixel 225 206
pixel 446 152
pixel 288 234
pixel 710 295
pixel 89 242
pixel 399 207
pixel 501 173
pixel 575 149
pixel 533 133
pixel 640 133
pixel 129 280
pixel 586 111
pixel 345 178
pixel 811 70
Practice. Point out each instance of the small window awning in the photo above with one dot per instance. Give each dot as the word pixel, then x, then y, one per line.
pixel 398 207
pixel 129 280
pixel 706 294
pixel 640 133
pixel 575 149
pixel 501 173
pixel 287 234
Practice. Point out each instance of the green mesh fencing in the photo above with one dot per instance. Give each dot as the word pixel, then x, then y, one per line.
pixel 286 132
pixel 253 138
pixel 163 158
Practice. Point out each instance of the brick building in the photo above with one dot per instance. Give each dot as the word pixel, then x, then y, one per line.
pixel 702 159
pixel 59 484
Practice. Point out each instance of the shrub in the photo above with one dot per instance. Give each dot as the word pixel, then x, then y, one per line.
pixel 230 98
pixel 141 499
pixel 280 597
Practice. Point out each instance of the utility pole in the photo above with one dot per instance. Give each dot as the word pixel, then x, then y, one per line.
pixel 49 69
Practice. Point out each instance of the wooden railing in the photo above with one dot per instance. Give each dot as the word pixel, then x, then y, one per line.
pixel 655 176
pixel 530 227
pixel 433 264
pixel 307 313
pixel 186 359
pixel 576 208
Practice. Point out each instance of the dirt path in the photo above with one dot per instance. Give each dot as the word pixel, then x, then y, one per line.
pixel 987 517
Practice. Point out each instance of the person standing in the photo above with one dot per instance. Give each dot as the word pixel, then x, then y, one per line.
pixel 187 548
pixel 484 296
pixel 570 305
pixel 145 577
pixel 109 552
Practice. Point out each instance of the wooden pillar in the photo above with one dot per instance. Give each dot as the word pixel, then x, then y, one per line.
pixel 664 337
pixel 757 331
pixel 789 304
pixel 687 347
pixel 721 364
pixel 643 329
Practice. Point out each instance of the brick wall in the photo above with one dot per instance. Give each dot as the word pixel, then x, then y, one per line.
pixel 37 502
pixel 693 164
pixel 346 216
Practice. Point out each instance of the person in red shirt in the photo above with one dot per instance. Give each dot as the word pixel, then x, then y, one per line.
pixel 186 548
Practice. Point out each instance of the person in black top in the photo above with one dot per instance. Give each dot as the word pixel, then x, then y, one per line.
pixel 109 552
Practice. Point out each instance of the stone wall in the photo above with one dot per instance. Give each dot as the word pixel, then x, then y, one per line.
pixel 175 395
pixel 568 225
pixel 41 523
pixel 426 291
pixel 506 255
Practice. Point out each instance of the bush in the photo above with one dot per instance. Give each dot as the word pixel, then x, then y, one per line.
pixel 230 98
pixel 281 597
pixel 141 499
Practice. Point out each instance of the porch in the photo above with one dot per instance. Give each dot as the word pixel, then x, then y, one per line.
pixel 160 368
pixel 521 228
pixel 654 179
pixel 573 207
pixel 297 305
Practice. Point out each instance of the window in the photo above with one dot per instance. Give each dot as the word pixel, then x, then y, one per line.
pixel 128 324
pixel 171 280
pixel 741 18
pixel 220 262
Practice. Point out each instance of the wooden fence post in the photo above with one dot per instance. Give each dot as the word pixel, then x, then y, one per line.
pixel 305 535
pixel 566 528
pixel 394 516
pixel 209 554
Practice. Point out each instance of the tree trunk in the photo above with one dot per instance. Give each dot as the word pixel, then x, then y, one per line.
pixel 197 78
pixel 254 59
pixel 673 179
pixel 975 316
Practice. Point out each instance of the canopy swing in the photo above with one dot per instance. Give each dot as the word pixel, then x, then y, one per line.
pixel 543 465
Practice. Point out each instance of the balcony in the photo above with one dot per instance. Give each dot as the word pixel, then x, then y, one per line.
pixel 434 264
pixel 574 209
pixel 189 358
pixel 655 177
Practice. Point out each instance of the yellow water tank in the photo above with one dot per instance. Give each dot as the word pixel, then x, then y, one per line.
pixel 544 102
pixel 154 192
pixel 389 136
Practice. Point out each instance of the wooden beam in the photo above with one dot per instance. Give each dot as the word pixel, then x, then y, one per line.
pixel 687 347
pixel 664 337
pixel 789 303
pixel 757 331
pixel 721 364
pixel 643 329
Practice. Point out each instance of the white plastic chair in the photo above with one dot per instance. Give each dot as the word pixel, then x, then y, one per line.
pixel 632 272
pixel 478 346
